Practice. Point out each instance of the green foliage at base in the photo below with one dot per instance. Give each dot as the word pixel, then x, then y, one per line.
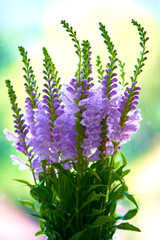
pixel 82 206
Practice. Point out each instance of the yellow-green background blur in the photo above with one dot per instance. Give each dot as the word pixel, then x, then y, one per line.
pixel 36 23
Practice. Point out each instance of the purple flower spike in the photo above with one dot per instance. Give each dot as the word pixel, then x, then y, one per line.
pixel 77 121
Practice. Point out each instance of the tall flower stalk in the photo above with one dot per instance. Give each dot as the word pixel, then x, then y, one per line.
pixel 72 135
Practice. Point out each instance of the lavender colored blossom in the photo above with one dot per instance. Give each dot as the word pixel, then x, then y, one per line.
pixel 11 137
pixel 92 117
pixel 96 119
pixel 57 142
pixel 18 161
pixel 109 148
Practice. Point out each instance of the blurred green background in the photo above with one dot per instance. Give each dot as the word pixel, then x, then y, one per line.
pixel 34 24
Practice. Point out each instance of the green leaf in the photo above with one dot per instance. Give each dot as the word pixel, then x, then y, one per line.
pixel 125 172
pixel 87 233
pixel 53 235
pixel 38 233
pixel 130 214
pixel 58 212
pixel 101 220
pixel 96 212
pixel 92 187
pixel 112 208
pixel 28 204
pixel 41 224
pixel 116 195
pixel 41 193
pixel 92 197
pixel 36 215
pixel 23 181
pixel 127 226
pixel 124 159
pixel 131 198
pixel 90 170
pixel 117 164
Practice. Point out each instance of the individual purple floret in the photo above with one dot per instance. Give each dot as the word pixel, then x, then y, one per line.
pixel 18 161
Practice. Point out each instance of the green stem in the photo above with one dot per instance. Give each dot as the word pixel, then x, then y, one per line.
pixel 34 177
pixel 108 188
pixel 77 210
pixel 35 181
pixel 112 160
pixel 79 67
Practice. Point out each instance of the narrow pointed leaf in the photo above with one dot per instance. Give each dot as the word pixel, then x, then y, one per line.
pixel 130 214
pixel 92 197
pixel 23 181
pixel 36 215
pixel 94 173
pixel 131 198
pixel 96 212
pixel 87 233
pixel 101 220
pixel 127 226
pixel 38 233
pixel 28 204
pixel 124 159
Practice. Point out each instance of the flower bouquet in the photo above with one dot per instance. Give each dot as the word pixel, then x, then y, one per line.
pixel 71 135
